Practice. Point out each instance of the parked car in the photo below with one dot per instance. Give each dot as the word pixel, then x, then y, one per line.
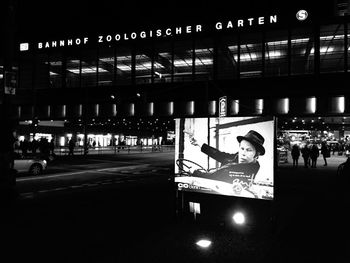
pixel 33 165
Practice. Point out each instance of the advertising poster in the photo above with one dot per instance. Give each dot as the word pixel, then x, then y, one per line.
pixel 231 156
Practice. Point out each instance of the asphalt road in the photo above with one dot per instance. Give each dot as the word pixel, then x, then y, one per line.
pixel 142 220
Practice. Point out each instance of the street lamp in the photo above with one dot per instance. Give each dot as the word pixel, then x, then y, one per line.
pixel 203 243
pixel 239 218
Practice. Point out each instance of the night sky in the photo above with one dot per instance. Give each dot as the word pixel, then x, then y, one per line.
pixel 60 18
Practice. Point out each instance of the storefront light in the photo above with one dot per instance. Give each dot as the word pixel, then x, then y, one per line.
pixel 310 105
pixel 338 104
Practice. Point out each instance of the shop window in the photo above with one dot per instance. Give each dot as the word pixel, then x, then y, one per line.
pixel 302 51
pixel 276 53
pixel 332 48
pixel 251 55
pixel 183 61
pixel 106 66
pixel 227 58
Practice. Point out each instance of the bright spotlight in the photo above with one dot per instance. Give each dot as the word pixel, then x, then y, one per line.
pixel 239 218
pixel 204 243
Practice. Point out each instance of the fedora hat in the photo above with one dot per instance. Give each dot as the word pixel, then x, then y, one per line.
pixel 254 138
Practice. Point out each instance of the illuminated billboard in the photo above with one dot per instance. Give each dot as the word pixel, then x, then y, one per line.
pixel 231 156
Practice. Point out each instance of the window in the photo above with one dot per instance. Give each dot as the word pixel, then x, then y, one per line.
pixel 302 51
pixel 332 48
pixel 276 53
pixel 227 59
pixel 251 55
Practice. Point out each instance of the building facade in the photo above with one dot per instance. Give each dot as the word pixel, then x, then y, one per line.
pixel 288 64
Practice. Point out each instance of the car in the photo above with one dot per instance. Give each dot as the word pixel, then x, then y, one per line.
pixel 32 165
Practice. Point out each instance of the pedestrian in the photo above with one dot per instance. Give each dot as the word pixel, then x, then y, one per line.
pixel 325 152
pixel 305 152
pixel 71 145
pixel 343 177
pixel 52 147
pixel 295 155
pixel 314 153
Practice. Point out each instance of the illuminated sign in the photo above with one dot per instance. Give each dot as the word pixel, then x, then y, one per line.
pixel 223 106
pixel 157 33
pixel 231 156
pixel 302 15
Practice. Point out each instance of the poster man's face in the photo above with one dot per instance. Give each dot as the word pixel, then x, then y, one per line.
pixel 246 153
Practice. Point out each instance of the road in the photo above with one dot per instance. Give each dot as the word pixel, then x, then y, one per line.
pixel 124 209
pixel 81 172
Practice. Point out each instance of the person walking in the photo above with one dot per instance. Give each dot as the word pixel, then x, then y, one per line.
pixel 71 145
pixel 325 152
pixel 295 155
pixel 305 152
pixel 314 153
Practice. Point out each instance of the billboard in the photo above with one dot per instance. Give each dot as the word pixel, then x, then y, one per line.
pixel 231 156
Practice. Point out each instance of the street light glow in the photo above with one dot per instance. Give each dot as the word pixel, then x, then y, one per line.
pixel 204 243
pixel 239 218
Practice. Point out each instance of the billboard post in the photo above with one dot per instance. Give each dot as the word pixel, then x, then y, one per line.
pixel 232 156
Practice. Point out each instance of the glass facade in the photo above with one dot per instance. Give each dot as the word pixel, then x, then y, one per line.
pixel 271 53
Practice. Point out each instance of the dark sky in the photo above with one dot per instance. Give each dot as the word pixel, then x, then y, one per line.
pixel 58 18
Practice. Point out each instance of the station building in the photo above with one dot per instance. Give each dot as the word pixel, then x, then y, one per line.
pixel 293 65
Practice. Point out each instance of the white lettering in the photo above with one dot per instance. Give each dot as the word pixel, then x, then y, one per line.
pixel 143 34
pixel 199 28
pixel 273 19
pixel 261 20
pixel 170 31
pixel 250 21
pixel 218 25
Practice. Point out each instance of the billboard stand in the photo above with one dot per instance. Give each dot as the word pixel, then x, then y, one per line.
pixel 179 205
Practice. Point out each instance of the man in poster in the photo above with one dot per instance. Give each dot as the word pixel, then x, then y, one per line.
pixel 239 168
